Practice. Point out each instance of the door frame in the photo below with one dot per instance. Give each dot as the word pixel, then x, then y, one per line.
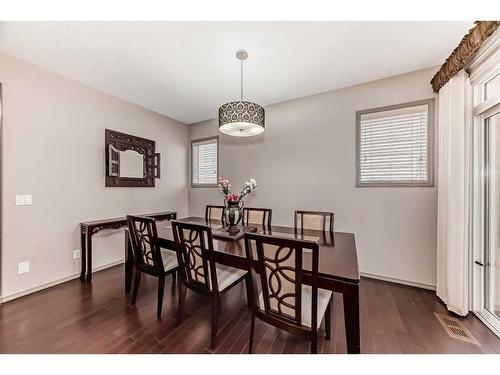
pixel 1 188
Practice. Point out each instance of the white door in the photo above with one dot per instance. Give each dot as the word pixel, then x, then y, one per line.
pixel 486 254
pixel 487 265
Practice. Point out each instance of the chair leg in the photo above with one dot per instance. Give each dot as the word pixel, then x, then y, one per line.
pixel 182 300
pixel 314 343
pixel 248 284
pixel 215 316
pixel 174 278
pixel 328 319
pixel 161 288
pixel 137 280
pixel 252 331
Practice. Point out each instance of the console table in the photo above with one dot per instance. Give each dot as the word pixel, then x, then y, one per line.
pixel 89 228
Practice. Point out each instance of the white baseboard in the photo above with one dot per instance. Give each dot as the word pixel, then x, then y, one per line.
pixel 56 282
pixel 398 281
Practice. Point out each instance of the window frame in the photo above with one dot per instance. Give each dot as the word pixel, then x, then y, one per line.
pixel 430 144
pixel 193 185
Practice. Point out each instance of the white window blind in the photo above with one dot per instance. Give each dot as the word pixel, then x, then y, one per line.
pixel 204 162
pixel 393 146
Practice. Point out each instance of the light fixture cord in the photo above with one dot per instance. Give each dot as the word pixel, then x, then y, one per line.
pixel 241 80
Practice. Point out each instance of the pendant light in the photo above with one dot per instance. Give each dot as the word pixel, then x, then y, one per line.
pixel 241 118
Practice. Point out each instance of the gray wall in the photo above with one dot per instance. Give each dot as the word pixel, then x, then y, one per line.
pixel 306 160
pixel 53 148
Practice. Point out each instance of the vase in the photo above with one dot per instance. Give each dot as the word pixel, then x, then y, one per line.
pixel 233 214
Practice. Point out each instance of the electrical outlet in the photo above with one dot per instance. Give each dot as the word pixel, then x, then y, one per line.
pixel 76 254
pixel 23 267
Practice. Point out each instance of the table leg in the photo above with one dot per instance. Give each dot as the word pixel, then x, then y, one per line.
pixel 129 263
pixel 351 318
pixel 89 255
pixel 83 254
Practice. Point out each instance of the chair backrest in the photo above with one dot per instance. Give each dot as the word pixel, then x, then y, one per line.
pixel 194 246
pixel 214 213
pixel 144 240
pixel 259 216
pixel 316 220
pixel 279 264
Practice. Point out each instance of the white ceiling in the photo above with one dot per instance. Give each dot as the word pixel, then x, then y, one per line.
pixel 186 70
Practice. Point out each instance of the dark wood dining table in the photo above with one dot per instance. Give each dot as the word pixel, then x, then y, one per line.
pixel 338 264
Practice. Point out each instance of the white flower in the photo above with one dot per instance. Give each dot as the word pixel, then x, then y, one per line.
pixel 254 183
pixel 248 184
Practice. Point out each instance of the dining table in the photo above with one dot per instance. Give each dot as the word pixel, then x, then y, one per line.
pixel 338 263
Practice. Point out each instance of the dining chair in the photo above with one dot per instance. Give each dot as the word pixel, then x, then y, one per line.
pixel 259 216
pixel 316 220
pixel 199 271
pixel 148 257
pixel 214 213
pixel 279 295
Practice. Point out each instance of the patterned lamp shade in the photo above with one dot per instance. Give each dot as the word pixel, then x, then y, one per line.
pixel 241 119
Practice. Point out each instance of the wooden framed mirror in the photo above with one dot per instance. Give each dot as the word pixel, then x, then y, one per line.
pixel 130 161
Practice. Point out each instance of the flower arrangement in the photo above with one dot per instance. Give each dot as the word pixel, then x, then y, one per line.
pixel 225 187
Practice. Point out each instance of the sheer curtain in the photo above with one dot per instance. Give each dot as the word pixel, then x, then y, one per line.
pixel 453 194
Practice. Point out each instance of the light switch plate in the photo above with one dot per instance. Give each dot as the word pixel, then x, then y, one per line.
pixel 76 254
pixel 24 200
pixel 23 267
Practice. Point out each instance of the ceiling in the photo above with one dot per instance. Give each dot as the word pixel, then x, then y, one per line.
pixel 186 70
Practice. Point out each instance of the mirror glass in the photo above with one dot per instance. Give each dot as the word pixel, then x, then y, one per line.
pixel 131 164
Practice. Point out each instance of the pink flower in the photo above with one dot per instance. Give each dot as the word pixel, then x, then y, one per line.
pixel 232 198
pixel 223 182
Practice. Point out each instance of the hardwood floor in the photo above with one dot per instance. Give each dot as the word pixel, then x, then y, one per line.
pixel 79 318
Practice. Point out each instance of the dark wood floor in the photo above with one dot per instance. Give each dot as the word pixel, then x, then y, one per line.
pixel 78 318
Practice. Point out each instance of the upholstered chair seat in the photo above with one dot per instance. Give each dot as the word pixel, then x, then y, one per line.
pixel 324 297
pixel 169 259
pixel 227 276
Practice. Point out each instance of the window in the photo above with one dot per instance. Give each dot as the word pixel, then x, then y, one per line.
pixel 394 145
pixel 204 162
